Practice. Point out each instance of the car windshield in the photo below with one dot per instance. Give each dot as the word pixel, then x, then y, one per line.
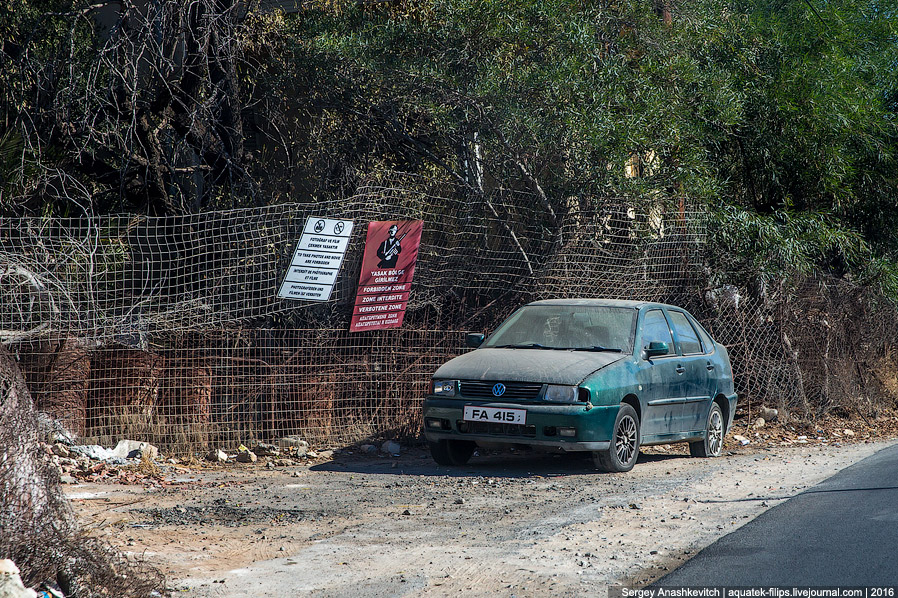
pixel 569 327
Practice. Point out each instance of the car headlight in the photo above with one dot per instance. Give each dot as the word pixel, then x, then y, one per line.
pixel 445 388
pixel 561 394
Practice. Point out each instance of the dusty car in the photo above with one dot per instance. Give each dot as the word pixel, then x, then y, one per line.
pixel 593 375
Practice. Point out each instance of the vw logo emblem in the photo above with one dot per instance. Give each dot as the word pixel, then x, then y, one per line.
pixel 319 226
pixel 498 389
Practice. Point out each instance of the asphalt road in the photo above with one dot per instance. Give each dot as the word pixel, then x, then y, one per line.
pixel 843 532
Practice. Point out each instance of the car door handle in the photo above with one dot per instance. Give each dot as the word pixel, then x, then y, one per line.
pixel 680 369
pixel 710 366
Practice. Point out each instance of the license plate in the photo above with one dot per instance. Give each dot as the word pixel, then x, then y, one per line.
pixel 495 415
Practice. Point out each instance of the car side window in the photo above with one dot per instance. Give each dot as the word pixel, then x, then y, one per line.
pixel 707 343
pixel 686 334
pixel 655 328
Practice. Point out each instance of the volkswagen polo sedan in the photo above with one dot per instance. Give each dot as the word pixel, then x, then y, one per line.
pixel 592 375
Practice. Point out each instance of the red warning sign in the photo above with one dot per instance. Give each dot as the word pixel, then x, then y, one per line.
pixel 388 265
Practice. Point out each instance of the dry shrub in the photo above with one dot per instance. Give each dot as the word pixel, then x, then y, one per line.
pixel 885 370
pixel 185 400
pixel 37 528
pixel 58 374
pixel 123 393
pixel 315 415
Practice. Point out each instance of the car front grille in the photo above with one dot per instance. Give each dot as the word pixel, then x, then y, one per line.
pixel 514 391
pixel 495 429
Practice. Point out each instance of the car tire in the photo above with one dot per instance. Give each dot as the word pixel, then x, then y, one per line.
pixel 625 438
pixel 712 444
pixel 452 452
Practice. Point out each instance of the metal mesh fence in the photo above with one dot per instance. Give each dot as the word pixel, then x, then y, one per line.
pixel 127 278
pixel 169 329
pixel 37 528
pixel 238 385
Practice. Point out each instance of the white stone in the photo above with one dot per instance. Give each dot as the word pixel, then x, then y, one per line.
pixel 134 449
pixel 768 414
pixel 390 447
pixel 288 441
pixel 11 585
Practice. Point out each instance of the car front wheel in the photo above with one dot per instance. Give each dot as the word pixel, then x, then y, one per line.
pixel 712 445
pixel 621 455
pixel 452 452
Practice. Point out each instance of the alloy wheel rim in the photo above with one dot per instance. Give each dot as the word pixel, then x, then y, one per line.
pixel 715 433
pixel 625 441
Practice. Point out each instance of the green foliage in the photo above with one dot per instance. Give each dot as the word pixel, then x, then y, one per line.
pixel 785 242
pixel 571 92
pixel 781 111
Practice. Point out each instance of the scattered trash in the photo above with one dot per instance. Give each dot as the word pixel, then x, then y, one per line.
pixel 134 449
pixel 47 590
pixel 390 447
pixel 217 456
pixel 294 441
pixel 741 439
pixel 61 450
pixel 244 455
pixel 92 451
pixel 263 449
pixel 125 449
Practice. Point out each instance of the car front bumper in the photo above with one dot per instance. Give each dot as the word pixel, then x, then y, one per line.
pixel 592 424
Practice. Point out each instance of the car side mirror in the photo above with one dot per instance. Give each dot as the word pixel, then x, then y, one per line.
pixel 656 348
pixel 474 339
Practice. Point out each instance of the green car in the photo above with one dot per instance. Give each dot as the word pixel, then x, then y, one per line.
pixel 591 375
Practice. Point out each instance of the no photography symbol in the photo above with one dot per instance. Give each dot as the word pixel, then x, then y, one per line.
pixel 319 226
pixel 338 228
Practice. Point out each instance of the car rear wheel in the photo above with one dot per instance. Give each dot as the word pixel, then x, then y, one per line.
pixel 452 452
pixel 712 445
pixel 621 455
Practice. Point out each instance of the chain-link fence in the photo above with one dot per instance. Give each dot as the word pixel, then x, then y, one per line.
pixel 169 329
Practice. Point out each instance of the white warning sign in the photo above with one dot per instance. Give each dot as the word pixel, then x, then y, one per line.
pixel 316 260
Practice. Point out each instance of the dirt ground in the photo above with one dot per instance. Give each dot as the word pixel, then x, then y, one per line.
pixel 507 524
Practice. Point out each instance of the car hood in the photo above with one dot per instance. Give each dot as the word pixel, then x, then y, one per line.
pixel 526 365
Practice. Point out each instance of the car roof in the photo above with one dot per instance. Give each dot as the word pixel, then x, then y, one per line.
pixel 602 302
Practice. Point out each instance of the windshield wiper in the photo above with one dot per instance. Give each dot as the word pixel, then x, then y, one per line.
pixel 597 348
pixel 524 346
